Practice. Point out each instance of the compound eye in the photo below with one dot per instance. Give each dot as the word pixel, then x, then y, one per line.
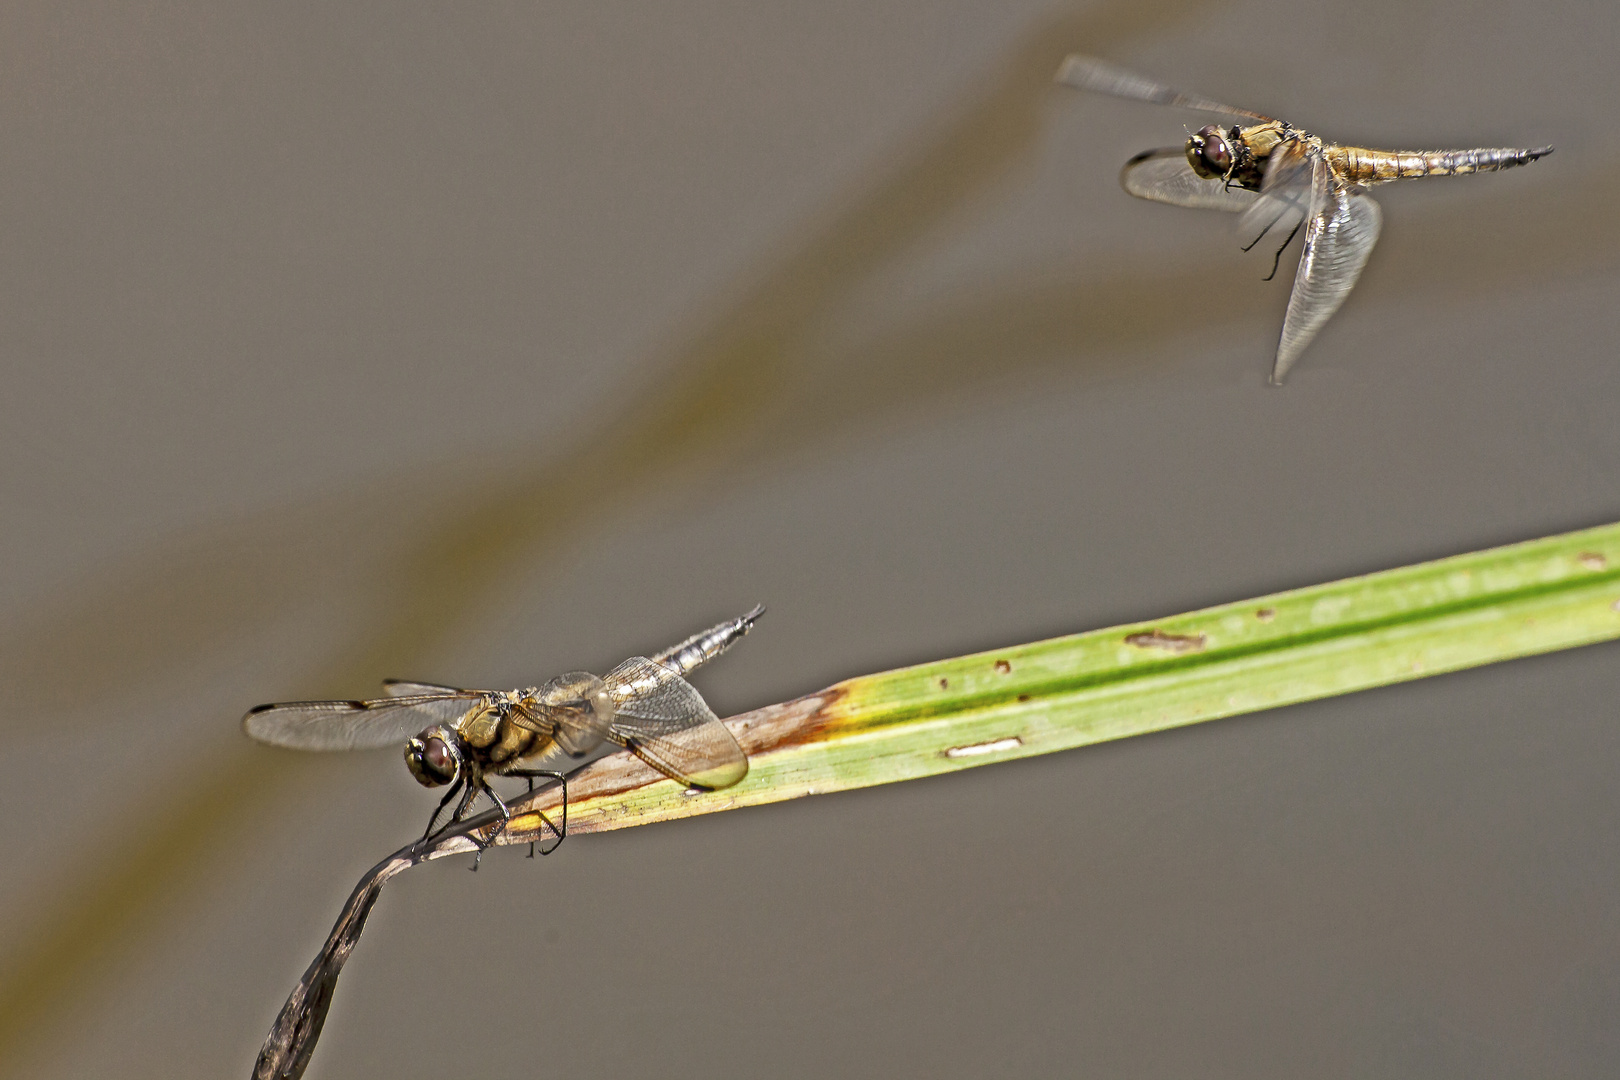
pixel 439 757
pixel 1216 154
pixel 431 760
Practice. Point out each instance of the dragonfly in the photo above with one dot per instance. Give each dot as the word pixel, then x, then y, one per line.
pixel 461 738
pixel 1279 176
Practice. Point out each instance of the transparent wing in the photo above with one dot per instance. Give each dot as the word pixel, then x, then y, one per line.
pixel 1291 191
pixel 1338 238
pixel 407 688
pixel 663 720
pixel 1099 76
pixel 355 725
pixel 1163 175
pixel 569 711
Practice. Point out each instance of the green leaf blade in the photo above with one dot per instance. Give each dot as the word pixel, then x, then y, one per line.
pixel 1379 629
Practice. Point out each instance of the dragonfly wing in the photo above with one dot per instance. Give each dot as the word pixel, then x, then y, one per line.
pixel 355 725
pixel 1163 175
pixel 1338 238
pixel 663 720
pixel 1099 76
pixel 569 711
pixel 407 688
pixel 1291 191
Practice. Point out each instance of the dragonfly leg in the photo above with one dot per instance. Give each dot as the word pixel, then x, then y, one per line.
pixel 560 834
pixel 1250 245
pixel 434 820
pixel 467 799
pixel 1282 249
pixel 506 817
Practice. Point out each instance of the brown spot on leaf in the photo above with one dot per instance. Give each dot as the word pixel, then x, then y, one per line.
pixel 1592 560
pixel 1266 614
pixel 1158 639
pixel 1003 667
pixel 1025 697
pixel 944 684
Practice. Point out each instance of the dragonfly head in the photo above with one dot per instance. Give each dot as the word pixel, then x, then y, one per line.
pixel 434 757
pixel 1208 153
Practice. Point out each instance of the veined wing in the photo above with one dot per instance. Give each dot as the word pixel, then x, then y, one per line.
pixel 1338 238
pixel 1163 175
pixel 570 711
pixel 408 688
pixel 1089 73
pixel 355 725
pixel 663 720
pixel 1293 189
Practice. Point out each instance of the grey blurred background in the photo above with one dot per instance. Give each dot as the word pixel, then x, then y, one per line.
pixel 477 345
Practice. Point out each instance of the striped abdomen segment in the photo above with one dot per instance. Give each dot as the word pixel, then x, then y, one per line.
pixel 1359 165
pixel 699 649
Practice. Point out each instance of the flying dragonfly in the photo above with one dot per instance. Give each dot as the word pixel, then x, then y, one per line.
pixel 1280 177
pixel 463 737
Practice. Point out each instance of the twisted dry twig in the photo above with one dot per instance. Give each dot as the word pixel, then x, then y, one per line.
pixel 291 1041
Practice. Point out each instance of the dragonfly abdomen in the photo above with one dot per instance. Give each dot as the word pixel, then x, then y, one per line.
pixel 1359 165
pixel 699 649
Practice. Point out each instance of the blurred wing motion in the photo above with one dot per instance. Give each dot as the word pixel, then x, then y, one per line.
pixel 356 725
pixel 1340 234
pixel 1164 176
pixel 1300 180
pixel 1099 76
pixel 660 718
pixel 1295 184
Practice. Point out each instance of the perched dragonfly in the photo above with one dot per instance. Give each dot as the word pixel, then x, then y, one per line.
pixel 463 737
pixel 1278 175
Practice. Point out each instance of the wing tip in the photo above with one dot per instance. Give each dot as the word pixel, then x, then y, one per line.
pixel 256 731
pixel 1282 365
pixel 722 776
pixel 1066 71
